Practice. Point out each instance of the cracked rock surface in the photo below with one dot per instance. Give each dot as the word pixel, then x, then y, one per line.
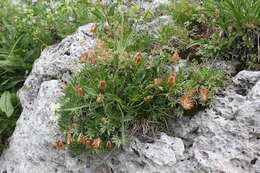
pixel 31 146
pixel 222 139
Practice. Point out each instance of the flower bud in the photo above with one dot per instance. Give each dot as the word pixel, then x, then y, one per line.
pixel 158 81
pixel 100 98
pixel 97 143
pixel 102 84
pixel 79 90
pixel 59 145
pixel 105 120
pixel 138 58
pixel 88 143
pixel 83 57
pixel 92 61
pixel 69 138
pixel 109 144
pixel 204 94
pixel 81 139
pixel 172 79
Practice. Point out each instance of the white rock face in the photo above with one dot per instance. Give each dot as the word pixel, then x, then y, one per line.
pixel 31 147
pixel 225 138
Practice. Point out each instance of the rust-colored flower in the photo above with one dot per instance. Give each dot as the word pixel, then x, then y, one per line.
pixel 100 98
pixel 172 79
pixel 97 143
pixel 92 61
pixel 59 145
pixel 176 57
pixel 109 144
pixel 158 81
pixel 186 103
pixel 83 57
pixel 102 84
pixel 204 94
pixel 88 143
pixel 138 58
pixel 81 139
pixel 79 90
pixel 105 120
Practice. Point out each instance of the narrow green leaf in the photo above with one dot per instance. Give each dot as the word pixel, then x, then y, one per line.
pixel 90 91
pixel 98 14
pixel 127 118
pixel 116 98
pixel 76 108
pixel 112 8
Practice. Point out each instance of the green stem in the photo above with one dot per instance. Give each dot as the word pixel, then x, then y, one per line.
pixel 122 123
pixel 122 26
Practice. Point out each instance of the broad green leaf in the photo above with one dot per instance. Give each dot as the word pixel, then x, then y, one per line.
pixel 6 104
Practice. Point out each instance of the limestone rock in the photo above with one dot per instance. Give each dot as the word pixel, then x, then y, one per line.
pixel 226 137
pixel 31 146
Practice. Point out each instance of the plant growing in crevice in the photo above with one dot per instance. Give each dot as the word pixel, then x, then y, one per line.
pixel 124 94
pixel 125 90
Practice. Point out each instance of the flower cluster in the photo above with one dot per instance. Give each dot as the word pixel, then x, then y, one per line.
pixel 81 139
pixel 188 101
pixel 59 145
pixel 99 54
pixel 93 143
